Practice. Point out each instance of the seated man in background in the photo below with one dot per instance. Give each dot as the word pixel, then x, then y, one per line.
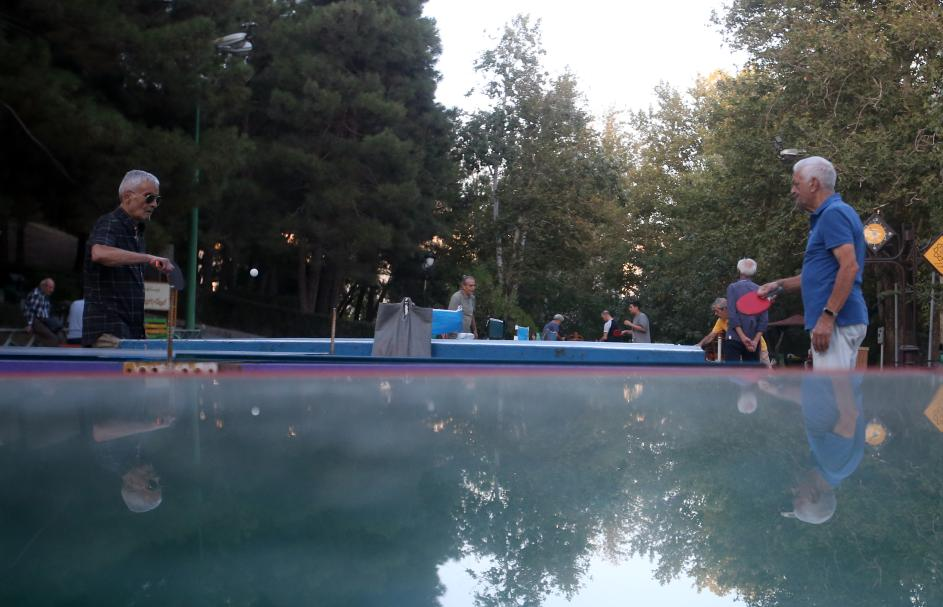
pixel 36 311
pixel 709 342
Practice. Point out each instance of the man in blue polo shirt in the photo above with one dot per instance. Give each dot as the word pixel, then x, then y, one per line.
pixel 835 312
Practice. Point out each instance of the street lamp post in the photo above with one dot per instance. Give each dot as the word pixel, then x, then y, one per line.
pixel 238 45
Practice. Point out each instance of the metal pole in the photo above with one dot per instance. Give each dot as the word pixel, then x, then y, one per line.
pixel 896 327
pixel 881 343
pixel 333 326
pixel 930 349
pixel 191 269
pixel 171 325
pixel 194 230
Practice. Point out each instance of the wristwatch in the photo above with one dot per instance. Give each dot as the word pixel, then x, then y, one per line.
pixel 828 311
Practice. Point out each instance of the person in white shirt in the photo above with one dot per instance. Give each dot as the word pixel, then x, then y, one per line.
pixel 74 336
pixel 608 326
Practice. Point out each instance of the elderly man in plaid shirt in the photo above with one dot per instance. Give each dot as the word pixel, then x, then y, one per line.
pixel 114 265
pixel 36 311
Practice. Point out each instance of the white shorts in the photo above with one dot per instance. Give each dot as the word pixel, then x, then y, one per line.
pixel 842 350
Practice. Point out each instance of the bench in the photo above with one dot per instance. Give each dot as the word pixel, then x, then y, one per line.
pixel 16 336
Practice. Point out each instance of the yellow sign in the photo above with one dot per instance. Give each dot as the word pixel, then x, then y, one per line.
pixel 934 254
pixel 934 410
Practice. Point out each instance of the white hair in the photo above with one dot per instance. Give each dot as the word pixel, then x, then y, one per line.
pixel 719 303
pixel 746 267
pixel 746 403
pixel 818 167
pixel 817 512
pixel 133 179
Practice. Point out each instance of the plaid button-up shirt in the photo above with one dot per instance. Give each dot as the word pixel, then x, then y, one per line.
pixel 114 296
pixel 36 305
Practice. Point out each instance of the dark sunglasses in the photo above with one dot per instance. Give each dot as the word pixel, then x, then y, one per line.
pixel 152 199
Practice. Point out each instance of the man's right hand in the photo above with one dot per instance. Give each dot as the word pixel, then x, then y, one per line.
pixel 768 288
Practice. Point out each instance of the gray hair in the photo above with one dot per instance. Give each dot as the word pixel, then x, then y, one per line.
pixel 133 179
pixel 746 267
pixel 719 303
pixel 819 168
pixel 140 500
pixel 817 512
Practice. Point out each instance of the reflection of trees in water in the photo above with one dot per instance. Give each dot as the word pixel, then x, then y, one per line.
pixel 348 510
pixel 559 473
pixel 577 471
pixel 373 488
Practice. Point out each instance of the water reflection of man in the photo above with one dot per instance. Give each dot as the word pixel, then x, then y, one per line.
pixel 140 488
pixel 118 447
pixel 834 424
pixel 117 444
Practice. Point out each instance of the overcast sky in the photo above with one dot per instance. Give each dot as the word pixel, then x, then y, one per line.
pixel 619 50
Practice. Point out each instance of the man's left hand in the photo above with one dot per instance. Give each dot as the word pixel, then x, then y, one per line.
pixel 822 333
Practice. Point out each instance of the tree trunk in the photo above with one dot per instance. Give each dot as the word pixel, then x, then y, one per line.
pixel 347 299
pixel 305 305
pixel 374 298
pixel 358 307
pixel 520 239
pixel 309 276
pixel 314 273
pixel 495 215
pixel 327 289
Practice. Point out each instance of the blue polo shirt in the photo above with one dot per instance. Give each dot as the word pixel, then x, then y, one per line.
pixel 831 225
pixel 835 456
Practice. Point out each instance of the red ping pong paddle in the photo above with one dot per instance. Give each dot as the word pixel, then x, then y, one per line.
pixel 752 303
pixel 175 277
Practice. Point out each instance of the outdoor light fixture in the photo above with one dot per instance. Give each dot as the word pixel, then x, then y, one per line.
pixel 788 155
pixel 792 154
pixel 237 45
pixel 876 232
pixel 234 44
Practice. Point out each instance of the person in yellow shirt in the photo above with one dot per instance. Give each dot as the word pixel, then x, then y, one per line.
pixel 719 308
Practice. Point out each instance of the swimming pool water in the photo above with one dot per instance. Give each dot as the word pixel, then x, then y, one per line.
pixel 391 486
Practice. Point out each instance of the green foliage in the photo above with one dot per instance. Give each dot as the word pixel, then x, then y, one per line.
pixel 538 209
pixel 856 82
pixel 328 132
